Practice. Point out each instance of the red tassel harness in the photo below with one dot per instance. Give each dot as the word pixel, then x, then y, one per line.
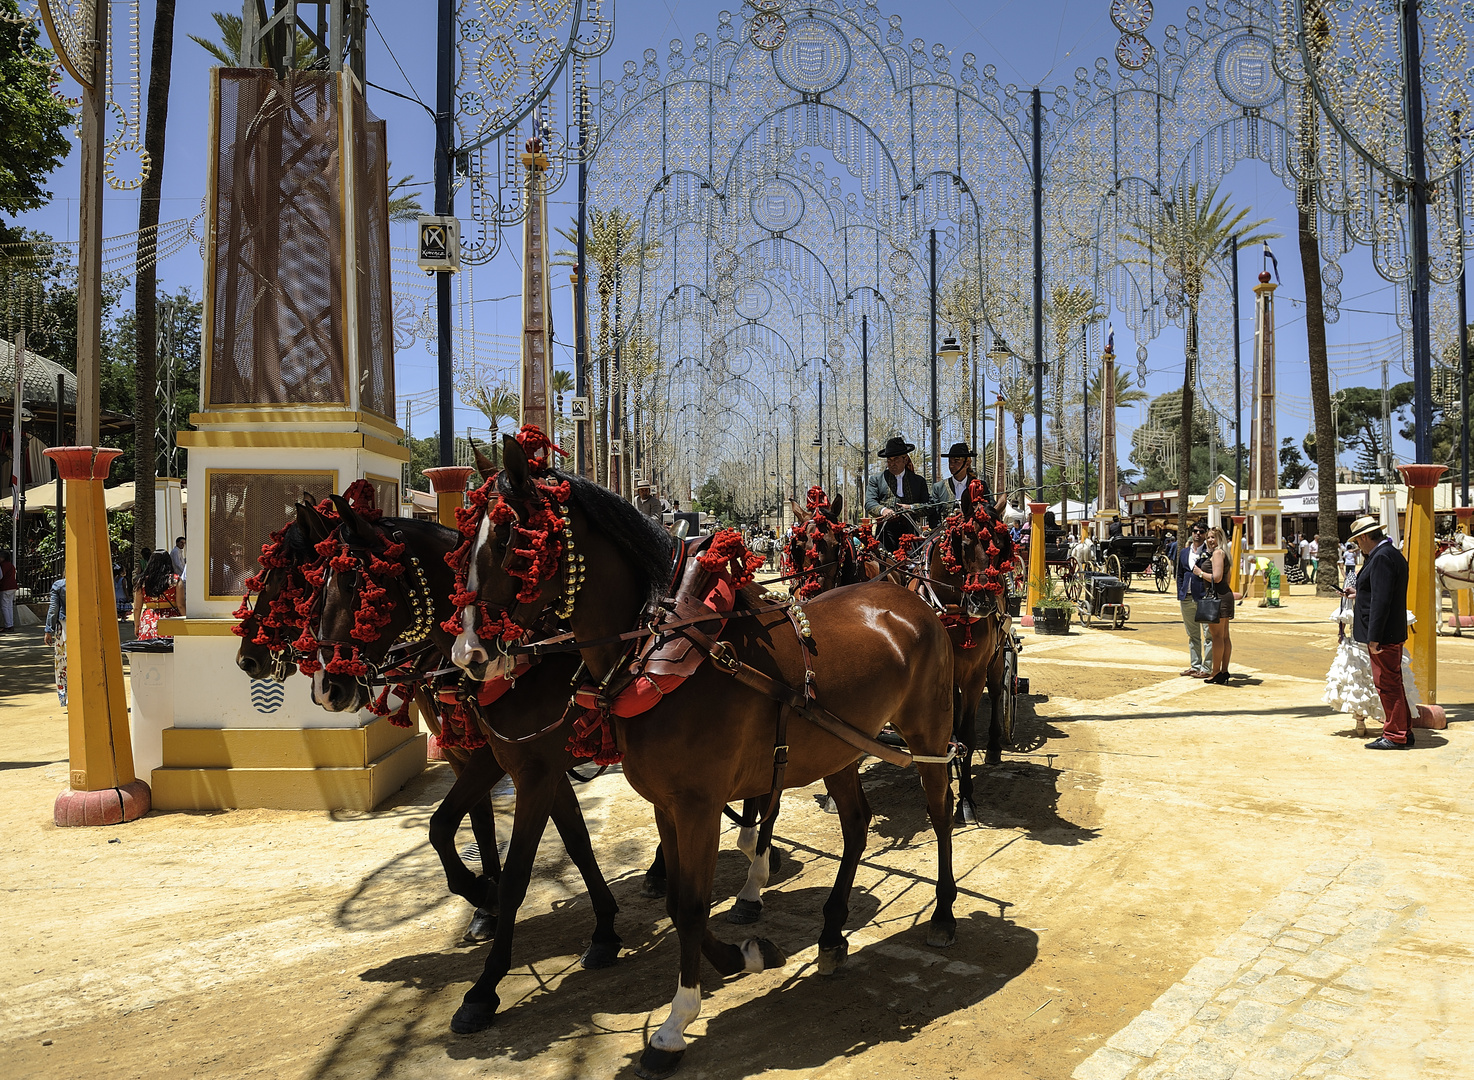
pixel 980 528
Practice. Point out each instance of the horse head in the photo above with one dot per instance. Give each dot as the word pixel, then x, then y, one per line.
pixel 271 623
pixel 819 554
pixel 971 556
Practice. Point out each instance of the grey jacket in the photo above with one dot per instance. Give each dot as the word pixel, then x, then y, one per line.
pixel 912 490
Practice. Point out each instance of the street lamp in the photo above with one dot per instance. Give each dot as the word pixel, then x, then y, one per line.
pixel 949 352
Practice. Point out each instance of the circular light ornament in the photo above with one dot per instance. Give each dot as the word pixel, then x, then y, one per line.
pixel 767 30
pixel 1245 72
pixel 777 205
pixel 753 301
pixel 1134 52
pixel 813 57
pixel 1131 16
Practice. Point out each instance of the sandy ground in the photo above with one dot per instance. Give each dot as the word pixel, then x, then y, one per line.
pixel 1169 879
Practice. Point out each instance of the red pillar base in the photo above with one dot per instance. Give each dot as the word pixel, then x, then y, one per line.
pixel 1430 716
pixel 110 806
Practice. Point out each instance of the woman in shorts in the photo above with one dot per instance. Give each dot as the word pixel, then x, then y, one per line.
pixel 1213 568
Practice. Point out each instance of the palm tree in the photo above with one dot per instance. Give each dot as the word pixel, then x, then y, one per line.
pixel 1315 314
pixel 498 403
pixel 228 49
pixel 1186 236
pixel 145 338
pixel 404 207
pixel 562 384
pixel 1017 389
pixel 614 245
pixel 1126 393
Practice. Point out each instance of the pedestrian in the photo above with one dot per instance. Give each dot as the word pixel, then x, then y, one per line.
pixel 1348 563
pixel 1314 555
pixel 176 555
pixel 647 503
pixel 8 586
pixel 1380 622
pixel 1212 570
pixel 56 635
pixel 1190 590
pixel 157 597
pixel 897 496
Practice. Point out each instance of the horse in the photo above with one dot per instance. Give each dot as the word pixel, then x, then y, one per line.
pixel 268 629
pixel 954 561
pixel 523 722
pixel 873 651
pixel 1456 564
pixel 1084 553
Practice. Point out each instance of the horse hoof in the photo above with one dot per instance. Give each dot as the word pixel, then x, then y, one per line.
pixel 600 954
pixel 655 1064
pixel 745 911
pixel 831 960
pixel 993 757
pixel 654 888
pixel 773 957
pixel 482 926
pixel 965 814
pixel 941 935
pixel 473 1016
pixel 775 860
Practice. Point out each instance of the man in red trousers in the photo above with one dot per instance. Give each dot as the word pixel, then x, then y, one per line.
pixel 1381 624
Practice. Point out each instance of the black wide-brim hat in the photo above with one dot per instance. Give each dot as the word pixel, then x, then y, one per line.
pixel 960 449
pixel 896 447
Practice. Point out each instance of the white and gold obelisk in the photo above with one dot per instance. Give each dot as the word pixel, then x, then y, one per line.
pixel 1107 495
pixel 1263 506
pixel 537 315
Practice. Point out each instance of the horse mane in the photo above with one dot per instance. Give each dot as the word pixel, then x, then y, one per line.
pixel 648 548
pixel 299 547
pixel 398 524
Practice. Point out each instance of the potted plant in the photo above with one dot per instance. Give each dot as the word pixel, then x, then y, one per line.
pixel 1053 608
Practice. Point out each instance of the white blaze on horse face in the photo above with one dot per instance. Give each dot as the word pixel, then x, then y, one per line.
pixel 685 1008
pixel 468 648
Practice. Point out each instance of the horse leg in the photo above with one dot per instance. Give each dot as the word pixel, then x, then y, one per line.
pixel 479 773
pixel 691 848
pixel 964 731
pixel 854 824
pixel 996 671
pixel 568 817
pixel 655 877
pixel 535 797
pixel 756 842
pixel 943 929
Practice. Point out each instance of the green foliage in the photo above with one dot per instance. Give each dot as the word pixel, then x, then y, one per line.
pixel 406 206
pixel 118 359
pixel 425 454
pixel 228 49
pixel 1049 593
pixel 719 501
pixel 1293 467
pixel 1359 422
pixel 31 116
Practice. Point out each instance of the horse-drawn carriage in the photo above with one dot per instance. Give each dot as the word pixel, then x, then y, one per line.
pixel 1125 556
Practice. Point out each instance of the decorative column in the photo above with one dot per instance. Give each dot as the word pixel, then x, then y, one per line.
pixel 1236 554
pixel 1263 506
pixel 449 485
pixel 103 788
pixel 1422 641
pixel 1000 451
pixel 1464 598
pixel 537 328
pixel 1107 496
pixel 1037 569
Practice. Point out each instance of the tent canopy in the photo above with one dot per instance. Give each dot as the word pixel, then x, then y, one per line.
pixel 42 497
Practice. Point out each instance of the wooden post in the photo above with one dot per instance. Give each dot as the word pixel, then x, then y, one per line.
pixel 1422 641
pixel 103 789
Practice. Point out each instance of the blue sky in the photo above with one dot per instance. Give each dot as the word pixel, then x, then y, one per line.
pixel 1032 44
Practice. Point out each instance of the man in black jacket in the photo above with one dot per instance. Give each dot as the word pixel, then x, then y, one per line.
pixel 1380 623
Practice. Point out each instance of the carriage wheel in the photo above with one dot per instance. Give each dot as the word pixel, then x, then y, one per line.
pixel 1116 570
pixel 1162 571
pixel 1010 684
pixel 1073 582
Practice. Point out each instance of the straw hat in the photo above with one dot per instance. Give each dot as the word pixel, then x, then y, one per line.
pixel 1363 525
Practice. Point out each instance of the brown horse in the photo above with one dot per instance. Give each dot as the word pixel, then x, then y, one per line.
pixel 271 624
pixel 527 740
pixel 875 653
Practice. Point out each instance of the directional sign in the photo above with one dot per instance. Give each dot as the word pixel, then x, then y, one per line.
pixel 440 243
pixel 580 408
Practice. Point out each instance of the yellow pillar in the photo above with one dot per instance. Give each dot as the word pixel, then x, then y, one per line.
pixel 1037 568
pixel 1236 553
pixel 449 484
pixel 1422 642
pixel 103 789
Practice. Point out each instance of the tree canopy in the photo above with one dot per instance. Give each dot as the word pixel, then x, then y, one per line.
pixel 31 115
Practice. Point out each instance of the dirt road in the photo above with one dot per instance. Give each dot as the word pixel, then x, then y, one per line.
pixel 1169 879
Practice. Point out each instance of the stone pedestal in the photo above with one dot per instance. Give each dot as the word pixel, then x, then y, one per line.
pixel 103 787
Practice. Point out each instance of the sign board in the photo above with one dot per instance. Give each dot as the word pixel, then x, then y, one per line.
pixel 616 446
pixel 440 243
pixel 580 408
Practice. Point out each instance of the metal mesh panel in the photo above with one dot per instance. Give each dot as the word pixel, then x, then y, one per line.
pixel 386 496
pixel 277 334
pixel 245 508
pixel 375 306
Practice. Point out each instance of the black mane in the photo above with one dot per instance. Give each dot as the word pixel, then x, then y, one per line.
pixel 298 546
pixel 648 548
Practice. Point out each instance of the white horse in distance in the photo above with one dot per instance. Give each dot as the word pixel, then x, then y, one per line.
pixel 1453 571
